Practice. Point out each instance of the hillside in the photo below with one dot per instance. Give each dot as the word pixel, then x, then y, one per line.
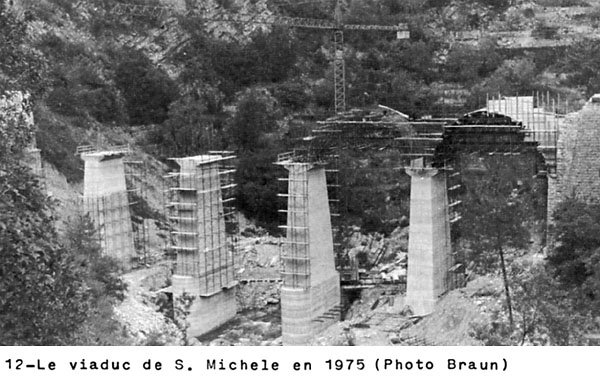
pixel 104 69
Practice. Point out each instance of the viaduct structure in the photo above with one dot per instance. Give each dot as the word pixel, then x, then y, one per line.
pixel 200 212
pixel 199 209
pixel 432 153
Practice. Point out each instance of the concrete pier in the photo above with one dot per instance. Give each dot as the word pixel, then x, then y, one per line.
pixel 310 294
pixel 429 245
pixel 105 200
pixel 205 268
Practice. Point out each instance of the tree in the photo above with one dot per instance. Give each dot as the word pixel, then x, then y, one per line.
pixel 194 125
pixel 49 291
pixel 497 212
pixel 415 57
pixel 257 189
pixel 273 55
pixel 292 95
pixel 575 259
pixel 577 226
pixel 548 313
pixel 102 273
pixel 253 119
pixel 21 67
pixel 513 76
pixel 581 63
pixel 43 299
pixel 78 81
pixel 545 314
pixel 104 285
pixel 148 90
pixel 231 66
pixel 469 64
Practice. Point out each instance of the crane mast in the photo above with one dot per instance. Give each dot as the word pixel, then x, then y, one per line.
pixel 337 26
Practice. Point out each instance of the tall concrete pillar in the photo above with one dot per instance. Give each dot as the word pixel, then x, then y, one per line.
pixel 310 294
pixel 205 268
pixel 429 246
pixel 105 200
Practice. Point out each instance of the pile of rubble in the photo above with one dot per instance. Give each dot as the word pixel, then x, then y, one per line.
pixel 144 323
pixel 380 256
pixel 258 255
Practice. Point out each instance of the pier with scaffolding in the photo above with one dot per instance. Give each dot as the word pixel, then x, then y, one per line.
pixel 200 207
pixel 310 292
pixel 106 201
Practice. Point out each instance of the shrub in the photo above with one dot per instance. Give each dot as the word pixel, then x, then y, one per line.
pixel 43 299
pixel 577 226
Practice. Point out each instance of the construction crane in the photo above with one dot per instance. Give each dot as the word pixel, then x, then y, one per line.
pixel 336 25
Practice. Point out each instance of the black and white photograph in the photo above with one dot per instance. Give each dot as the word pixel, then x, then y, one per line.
pixel 300 173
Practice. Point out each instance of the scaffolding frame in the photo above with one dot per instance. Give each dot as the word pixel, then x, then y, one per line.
pixel 107 213
pixel 295 250
pixel 137 182
pixel 455 261
pixel 541 114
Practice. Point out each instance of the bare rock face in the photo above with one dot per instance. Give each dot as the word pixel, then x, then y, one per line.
pixel 239 9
